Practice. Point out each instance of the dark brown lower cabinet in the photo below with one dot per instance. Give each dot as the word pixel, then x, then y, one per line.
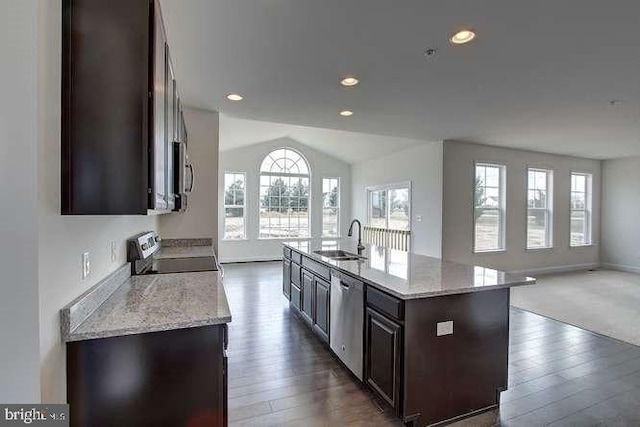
pixel 286 278
pixel 322 307
pixel 170 378
pixel 307 297
pixel 383 362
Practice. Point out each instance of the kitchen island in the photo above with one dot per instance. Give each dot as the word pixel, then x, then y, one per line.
pixel 435 334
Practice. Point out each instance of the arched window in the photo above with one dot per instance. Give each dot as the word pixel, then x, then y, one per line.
pixel 284 195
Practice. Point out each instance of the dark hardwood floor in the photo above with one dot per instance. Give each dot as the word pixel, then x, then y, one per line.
pixel 280 373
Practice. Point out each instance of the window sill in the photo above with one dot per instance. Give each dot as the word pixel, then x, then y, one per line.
pixel 236 240
pixel 589 245
pixel 284 239
pixel 491 251
pixel 540 249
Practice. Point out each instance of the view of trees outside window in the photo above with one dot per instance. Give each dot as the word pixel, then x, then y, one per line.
pixel 330 207
pixel 539 208
pixel 284 195
pixel 389 208
pixel 488 208
pixel 580 209
pixel 234 206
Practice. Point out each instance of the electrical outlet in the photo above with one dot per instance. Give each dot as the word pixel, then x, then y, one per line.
pixel 419 218
pixel 114 251
pixel 86 265
pixel 444 328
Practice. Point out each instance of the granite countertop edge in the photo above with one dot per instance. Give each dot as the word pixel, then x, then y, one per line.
pixel 84 336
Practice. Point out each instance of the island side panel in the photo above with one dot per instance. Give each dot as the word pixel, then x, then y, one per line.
pixel 175 377
pixel 450 375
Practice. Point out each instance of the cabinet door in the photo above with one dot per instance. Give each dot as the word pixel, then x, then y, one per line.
pixel 382 367
pixel 171 131
pixel 286 278
pixel 307 296
pixel 296 297
pixel 158 198
pixel 321 303
pixel 296 274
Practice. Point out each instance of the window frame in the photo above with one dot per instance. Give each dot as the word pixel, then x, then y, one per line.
pixel 225 206
pixel 338 209
pixel 502 208
pixel 548 210
pixel 389 187
pixel 588 209
pixel 309 177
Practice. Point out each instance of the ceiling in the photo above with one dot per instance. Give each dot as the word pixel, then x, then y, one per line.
pixel 350 147
pixel 539 76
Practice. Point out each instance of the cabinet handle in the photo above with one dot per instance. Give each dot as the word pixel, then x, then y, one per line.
pixel 193 178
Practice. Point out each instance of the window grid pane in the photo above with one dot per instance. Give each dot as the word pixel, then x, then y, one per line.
pixel 581 209
pixel 234 206
pixel 330 207
pixel 488 207
pixel 539 208
pixel 389 208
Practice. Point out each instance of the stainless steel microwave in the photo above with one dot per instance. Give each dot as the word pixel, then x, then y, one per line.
pixel 184 177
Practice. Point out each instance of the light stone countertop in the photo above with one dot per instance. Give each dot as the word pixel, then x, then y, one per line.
pixel 158 302
pixel 408 275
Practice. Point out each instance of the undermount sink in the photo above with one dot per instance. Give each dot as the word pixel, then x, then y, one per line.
pixel 339 255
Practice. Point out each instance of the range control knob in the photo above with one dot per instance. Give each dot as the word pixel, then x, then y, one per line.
pixel 145 246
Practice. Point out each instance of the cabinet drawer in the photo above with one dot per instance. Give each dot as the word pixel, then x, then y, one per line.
pixel 295 274
pixel 317 268
pixel 384 303
pixel 286 252
pixel 296 257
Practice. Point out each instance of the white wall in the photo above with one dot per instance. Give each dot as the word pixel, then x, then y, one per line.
pixel 422 166
pixel 621 214
pixel 459 174
pixel 201 217
pixel 19 353
pixel 248 159
pixel 63 239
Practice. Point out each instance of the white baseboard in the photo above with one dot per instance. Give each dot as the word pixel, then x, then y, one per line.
pixel 620 267
pixel 558 269
pixel 249 259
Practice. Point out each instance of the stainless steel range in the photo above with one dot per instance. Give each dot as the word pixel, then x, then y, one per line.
pixel 142 253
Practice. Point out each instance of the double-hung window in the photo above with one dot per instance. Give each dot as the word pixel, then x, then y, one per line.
pixel 234 206
pixel 581 207
pixel 389 207
pixel 539 208
pixel 489 207
pixel 330 207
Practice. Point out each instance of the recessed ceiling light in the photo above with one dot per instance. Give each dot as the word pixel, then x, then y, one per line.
pixel 462 37
pixel 234 97
pixel 349 81
pixel 346 113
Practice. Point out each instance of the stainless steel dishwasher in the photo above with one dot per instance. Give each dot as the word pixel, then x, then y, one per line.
pixel 347 321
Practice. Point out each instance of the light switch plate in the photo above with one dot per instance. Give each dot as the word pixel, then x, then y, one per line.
pixel 444 328
pixel 419 218
pixel 86 265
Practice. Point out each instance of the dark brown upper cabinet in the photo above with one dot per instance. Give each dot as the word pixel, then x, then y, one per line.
pixel 120 109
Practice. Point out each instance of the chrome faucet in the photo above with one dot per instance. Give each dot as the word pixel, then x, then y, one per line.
pixel 350 233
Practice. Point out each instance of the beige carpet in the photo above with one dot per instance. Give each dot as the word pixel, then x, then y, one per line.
pixel 603 301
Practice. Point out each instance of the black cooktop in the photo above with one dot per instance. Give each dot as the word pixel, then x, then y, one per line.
pixel 180 265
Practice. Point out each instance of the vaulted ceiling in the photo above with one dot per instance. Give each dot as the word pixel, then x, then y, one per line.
pixel 540 75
